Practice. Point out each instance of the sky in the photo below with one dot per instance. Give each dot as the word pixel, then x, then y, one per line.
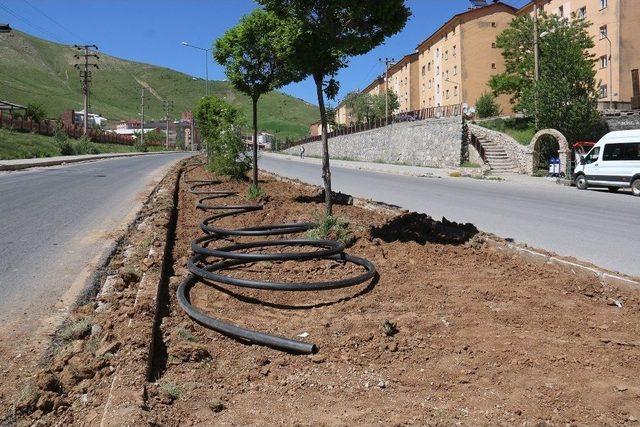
pixel 151 31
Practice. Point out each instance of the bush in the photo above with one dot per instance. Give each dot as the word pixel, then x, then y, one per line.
pixel 85 146
pixel 140 146
pixel 331 227
pixel 486 106
pixel 62 141
pixel 35 112
pixel 228 156
pixel 254 193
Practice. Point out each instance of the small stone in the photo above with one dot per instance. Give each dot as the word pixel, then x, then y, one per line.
pixel 129 276
pixel 265 371
pixel 95 330
pixel 48 381
pixel 45 403
pixel 111 348
pixel 382 384
pixel 262 360
pixel 318 358
pixel 622 388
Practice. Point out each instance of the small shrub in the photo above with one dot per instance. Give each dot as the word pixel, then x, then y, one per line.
pixel 75 330
pixel 455 174
pixel 486 106
pixel 389 328
pixel 228 156
pixel 171 389
pixel 331 227
pixel 254 192
pixel 83 146
pixel 187 335
pixel 141 146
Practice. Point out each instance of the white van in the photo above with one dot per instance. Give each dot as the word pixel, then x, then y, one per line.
pixel 614 163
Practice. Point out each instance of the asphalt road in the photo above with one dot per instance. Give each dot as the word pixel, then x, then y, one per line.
pixel 56 224
pixel 594 225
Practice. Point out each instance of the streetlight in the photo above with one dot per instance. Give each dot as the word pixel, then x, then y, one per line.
pixel 610 88
pixel 206 63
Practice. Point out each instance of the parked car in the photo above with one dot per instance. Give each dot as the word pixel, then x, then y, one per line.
pixel 613 163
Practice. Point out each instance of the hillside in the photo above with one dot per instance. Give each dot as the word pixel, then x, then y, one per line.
pixel 36 70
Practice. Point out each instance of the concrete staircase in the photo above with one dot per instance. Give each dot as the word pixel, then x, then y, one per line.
pixel 497 158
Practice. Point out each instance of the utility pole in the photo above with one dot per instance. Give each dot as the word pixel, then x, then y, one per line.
pixel 536 61
pixel 168 108
pixel 386 61
pixel 142 117
pixel 86 53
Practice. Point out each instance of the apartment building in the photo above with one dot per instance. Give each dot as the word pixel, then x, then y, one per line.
pixel 343 114
pixel 614 25
pixel 404 82
pixel 457 61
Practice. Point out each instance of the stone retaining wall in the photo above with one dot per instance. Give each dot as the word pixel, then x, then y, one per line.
pixel 623 121
pixel 431 142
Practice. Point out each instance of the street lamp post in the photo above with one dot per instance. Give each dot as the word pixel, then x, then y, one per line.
pixel 206 63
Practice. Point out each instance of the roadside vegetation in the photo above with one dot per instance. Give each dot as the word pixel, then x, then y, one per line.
pixel 24 145
pixel 521 129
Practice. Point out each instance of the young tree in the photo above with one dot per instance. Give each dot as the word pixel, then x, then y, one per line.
pixel 360 105
pixel 35 112
pixel 218 123
pixel 486 105
pixel 381 104
pixel 328 33
pixel 565 96
pixel 254 54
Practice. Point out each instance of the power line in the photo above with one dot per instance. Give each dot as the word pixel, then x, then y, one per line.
pixel 75 35
pixel 31 24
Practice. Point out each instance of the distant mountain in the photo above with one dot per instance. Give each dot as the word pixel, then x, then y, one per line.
pixel 37 70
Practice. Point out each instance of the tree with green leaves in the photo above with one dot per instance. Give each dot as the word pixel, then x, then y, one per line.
pixel 360 104
pixel 487 106
pixel 379 104
pixel 35 112
pixel 218 123
pixel 255 56
pixel 328 32
pixel 565 95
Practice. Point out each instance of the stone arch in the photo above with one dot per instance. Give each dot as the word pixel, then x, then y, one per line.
pixel 563 151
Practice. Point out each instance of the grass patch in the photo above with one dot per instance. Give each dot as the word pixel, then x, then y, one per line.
pixel 331 227
pixel 171 389
pixel 187 335
pixel 25 145
pixel 254 192
pixel 521 129
pixel 469 165
pixel 75 330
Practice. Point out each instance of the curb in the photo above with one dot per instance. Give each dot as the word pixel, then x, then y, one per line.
pixel 62 161
pixel 530 254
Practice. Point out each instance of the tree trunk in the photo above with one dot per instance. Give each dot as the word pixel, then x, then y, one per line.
pixel 255 142
pixel 326 170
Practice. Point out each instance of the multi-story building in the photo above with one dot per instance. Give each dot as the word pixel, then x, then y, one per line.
pixel 404 82
pixel 457 61
pixel 614 25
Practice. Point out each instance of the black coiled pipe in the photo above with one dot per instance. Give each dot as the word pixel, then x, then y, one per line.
pixel 234 255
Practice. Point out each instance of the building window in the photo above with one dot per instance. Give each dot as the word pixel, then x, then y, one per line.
pixel 455 90
pixel 493 25
pixel 603 4
pixel 446 54
pixel 604 32
pixel 493 66
pixel 424 70
pixel 437 52
pixel 561 11
pixel 604 61
pixel 454 50
pixel 428 66
pixel 493 45
pixel 455 70
pixel 603 91
pixel 582 12
pixel 447 93
pixel 447 74
pixel 437 70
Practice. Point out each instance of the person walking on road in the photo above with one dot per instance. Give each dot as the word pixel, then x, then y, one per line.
pixel 302 151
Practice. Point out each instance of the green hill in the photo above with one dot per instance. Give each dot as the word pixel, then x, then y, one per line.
pixel 36 70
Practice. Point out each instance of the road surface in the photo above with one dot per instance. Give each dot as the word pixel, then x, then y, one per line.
pixel 594 225
pixel 57 223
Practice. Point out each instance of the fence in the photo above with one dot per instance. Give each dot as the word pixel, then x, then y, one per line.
pixel 409 116
pixel 47 127
pixel 475 142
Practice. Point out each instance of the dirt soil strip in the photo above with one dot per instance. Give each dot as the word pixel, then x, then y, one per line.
pixel 484 334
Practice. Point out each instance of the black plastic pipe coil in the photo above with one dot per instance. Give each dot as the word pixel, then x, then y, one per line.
pixel 201 271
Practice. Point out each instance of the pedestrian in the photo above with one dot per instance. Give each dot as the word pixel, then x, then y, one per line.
pixel 302 151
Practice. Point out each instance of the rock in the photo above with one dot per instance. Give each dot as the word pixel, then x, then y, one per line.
pixel 119 284
pixel 383 384
pixel 216 405
pixel 318 358
pixel 148 262
pixel 188 351
pixel 622 387
pixel 45 403
pixel 111 348
pixel 262 360
pixel 95 330
pixel 130 276
pixel 265 371
pixel 48 381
